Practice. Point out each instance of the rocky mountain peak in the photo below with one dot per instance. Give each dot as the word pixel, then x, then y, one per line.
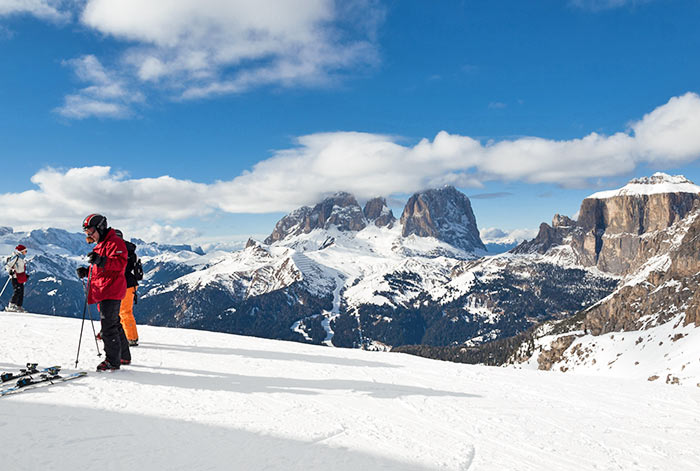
pixel 653 307
pixel 661 177
pixel 560 220
pixel 377 211
pixel 254 247
pixel 445 214
pixel 340 210
pixel 74 243
pixel 658 183
pixel 643 205
pixel 609 230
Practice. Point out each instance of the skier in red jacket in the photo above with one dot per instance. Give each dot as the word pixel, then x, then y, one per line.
pixel 107 287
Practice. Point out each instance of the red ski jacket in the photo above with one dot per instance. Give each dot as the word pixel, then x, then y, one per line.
pixel 108 282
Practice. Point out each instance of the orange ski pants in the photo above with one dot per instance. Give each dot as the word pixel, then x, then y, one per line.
pixel 126 314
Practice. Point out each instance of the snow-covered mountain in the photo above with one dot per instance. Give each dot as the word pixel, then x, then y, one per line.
pixel 194 400
pixel 647 234
pixel 658 183
pixel 53 256
pixel 613 228
pixel 647 326
pixel 345 276
pixel 342 275
pixel 445 214
pixel 340 211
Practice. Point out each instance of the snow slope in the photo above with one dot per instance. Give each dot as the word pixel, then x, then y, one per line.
pixel 200 400
pixel 669 352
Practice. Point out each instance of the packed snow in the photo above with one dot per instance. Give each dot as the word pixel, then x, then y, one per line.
pixel 668 353
pixel 656 184
pixel 197 400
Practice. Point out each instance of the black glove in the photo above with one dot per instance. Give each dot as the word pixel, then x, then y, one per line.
pixel 82 272
pixel 96 259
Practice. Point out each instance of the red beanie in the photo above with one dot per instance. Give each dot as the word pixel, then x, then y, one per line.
pixel 20 248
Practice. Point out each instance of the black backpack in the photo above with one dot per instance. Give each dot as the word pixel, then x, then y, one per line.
pixel 133 266
pixel 138 269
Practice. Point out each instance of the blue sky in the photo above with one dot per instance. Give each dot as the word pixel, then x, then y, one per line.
pixel 208 120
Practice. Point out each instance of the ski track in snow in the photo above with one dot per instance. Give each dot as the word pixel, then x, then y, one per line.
pixel 200 400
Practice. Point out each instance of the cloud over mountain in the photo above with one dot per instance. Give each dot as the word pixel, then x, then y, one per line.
pixel 365 165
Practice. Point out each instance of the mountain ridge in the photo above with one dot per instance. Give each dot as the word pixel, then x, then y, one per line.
pixel 335 276
pixel 444 214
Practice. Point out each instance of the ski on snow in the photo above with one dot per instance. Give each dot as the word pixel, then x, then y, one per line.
pixel 28 371
pixel 45 379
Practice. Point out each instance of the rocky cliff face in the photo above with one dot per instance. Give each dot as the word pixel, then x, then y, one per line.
pixel 666 286
pixel 377 211
pixel 614 228
pixel 445 214
pixel 548 236
pixel 340 210
pixel 646 238
pixel 647 325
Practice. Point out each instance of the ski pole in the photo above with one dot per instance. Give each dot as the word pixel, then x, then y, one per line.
pixel 3 288
pixel 82 324
pixel 11 264
pixel 92 322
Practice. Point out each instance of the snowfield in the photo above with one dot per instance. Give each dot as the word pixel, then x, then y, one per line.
pixel 669 353
pixel 197 400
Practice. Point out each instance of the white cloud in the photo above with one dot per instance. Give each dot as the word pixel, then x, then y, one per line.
pixel 52 10
pixel 364 164
pixel 63 198
pixel 492 234
pixel 107 96
pixel 370 164
pixel 500 236
pixel 191 49
pixel 164 234
pixel 598 5
pixel 198 48
pixel 670 132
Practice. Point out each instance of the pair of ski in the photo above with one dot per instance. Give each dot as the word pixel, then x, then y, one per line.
pixel 31 378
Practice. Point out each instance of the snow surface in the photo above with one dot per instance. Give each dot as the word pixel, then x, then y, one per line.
pixel 199 400
pixel 657 183
pixel 666 353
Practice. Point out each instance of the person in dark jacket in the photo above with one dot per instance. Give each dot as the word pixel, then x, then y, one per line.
pixel 126 311
pixel 107 287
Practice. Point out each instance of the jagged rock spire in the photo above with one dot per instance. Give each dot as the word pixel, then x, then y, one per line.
pixel 445 214
pixel 377 211
pixel 340 210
